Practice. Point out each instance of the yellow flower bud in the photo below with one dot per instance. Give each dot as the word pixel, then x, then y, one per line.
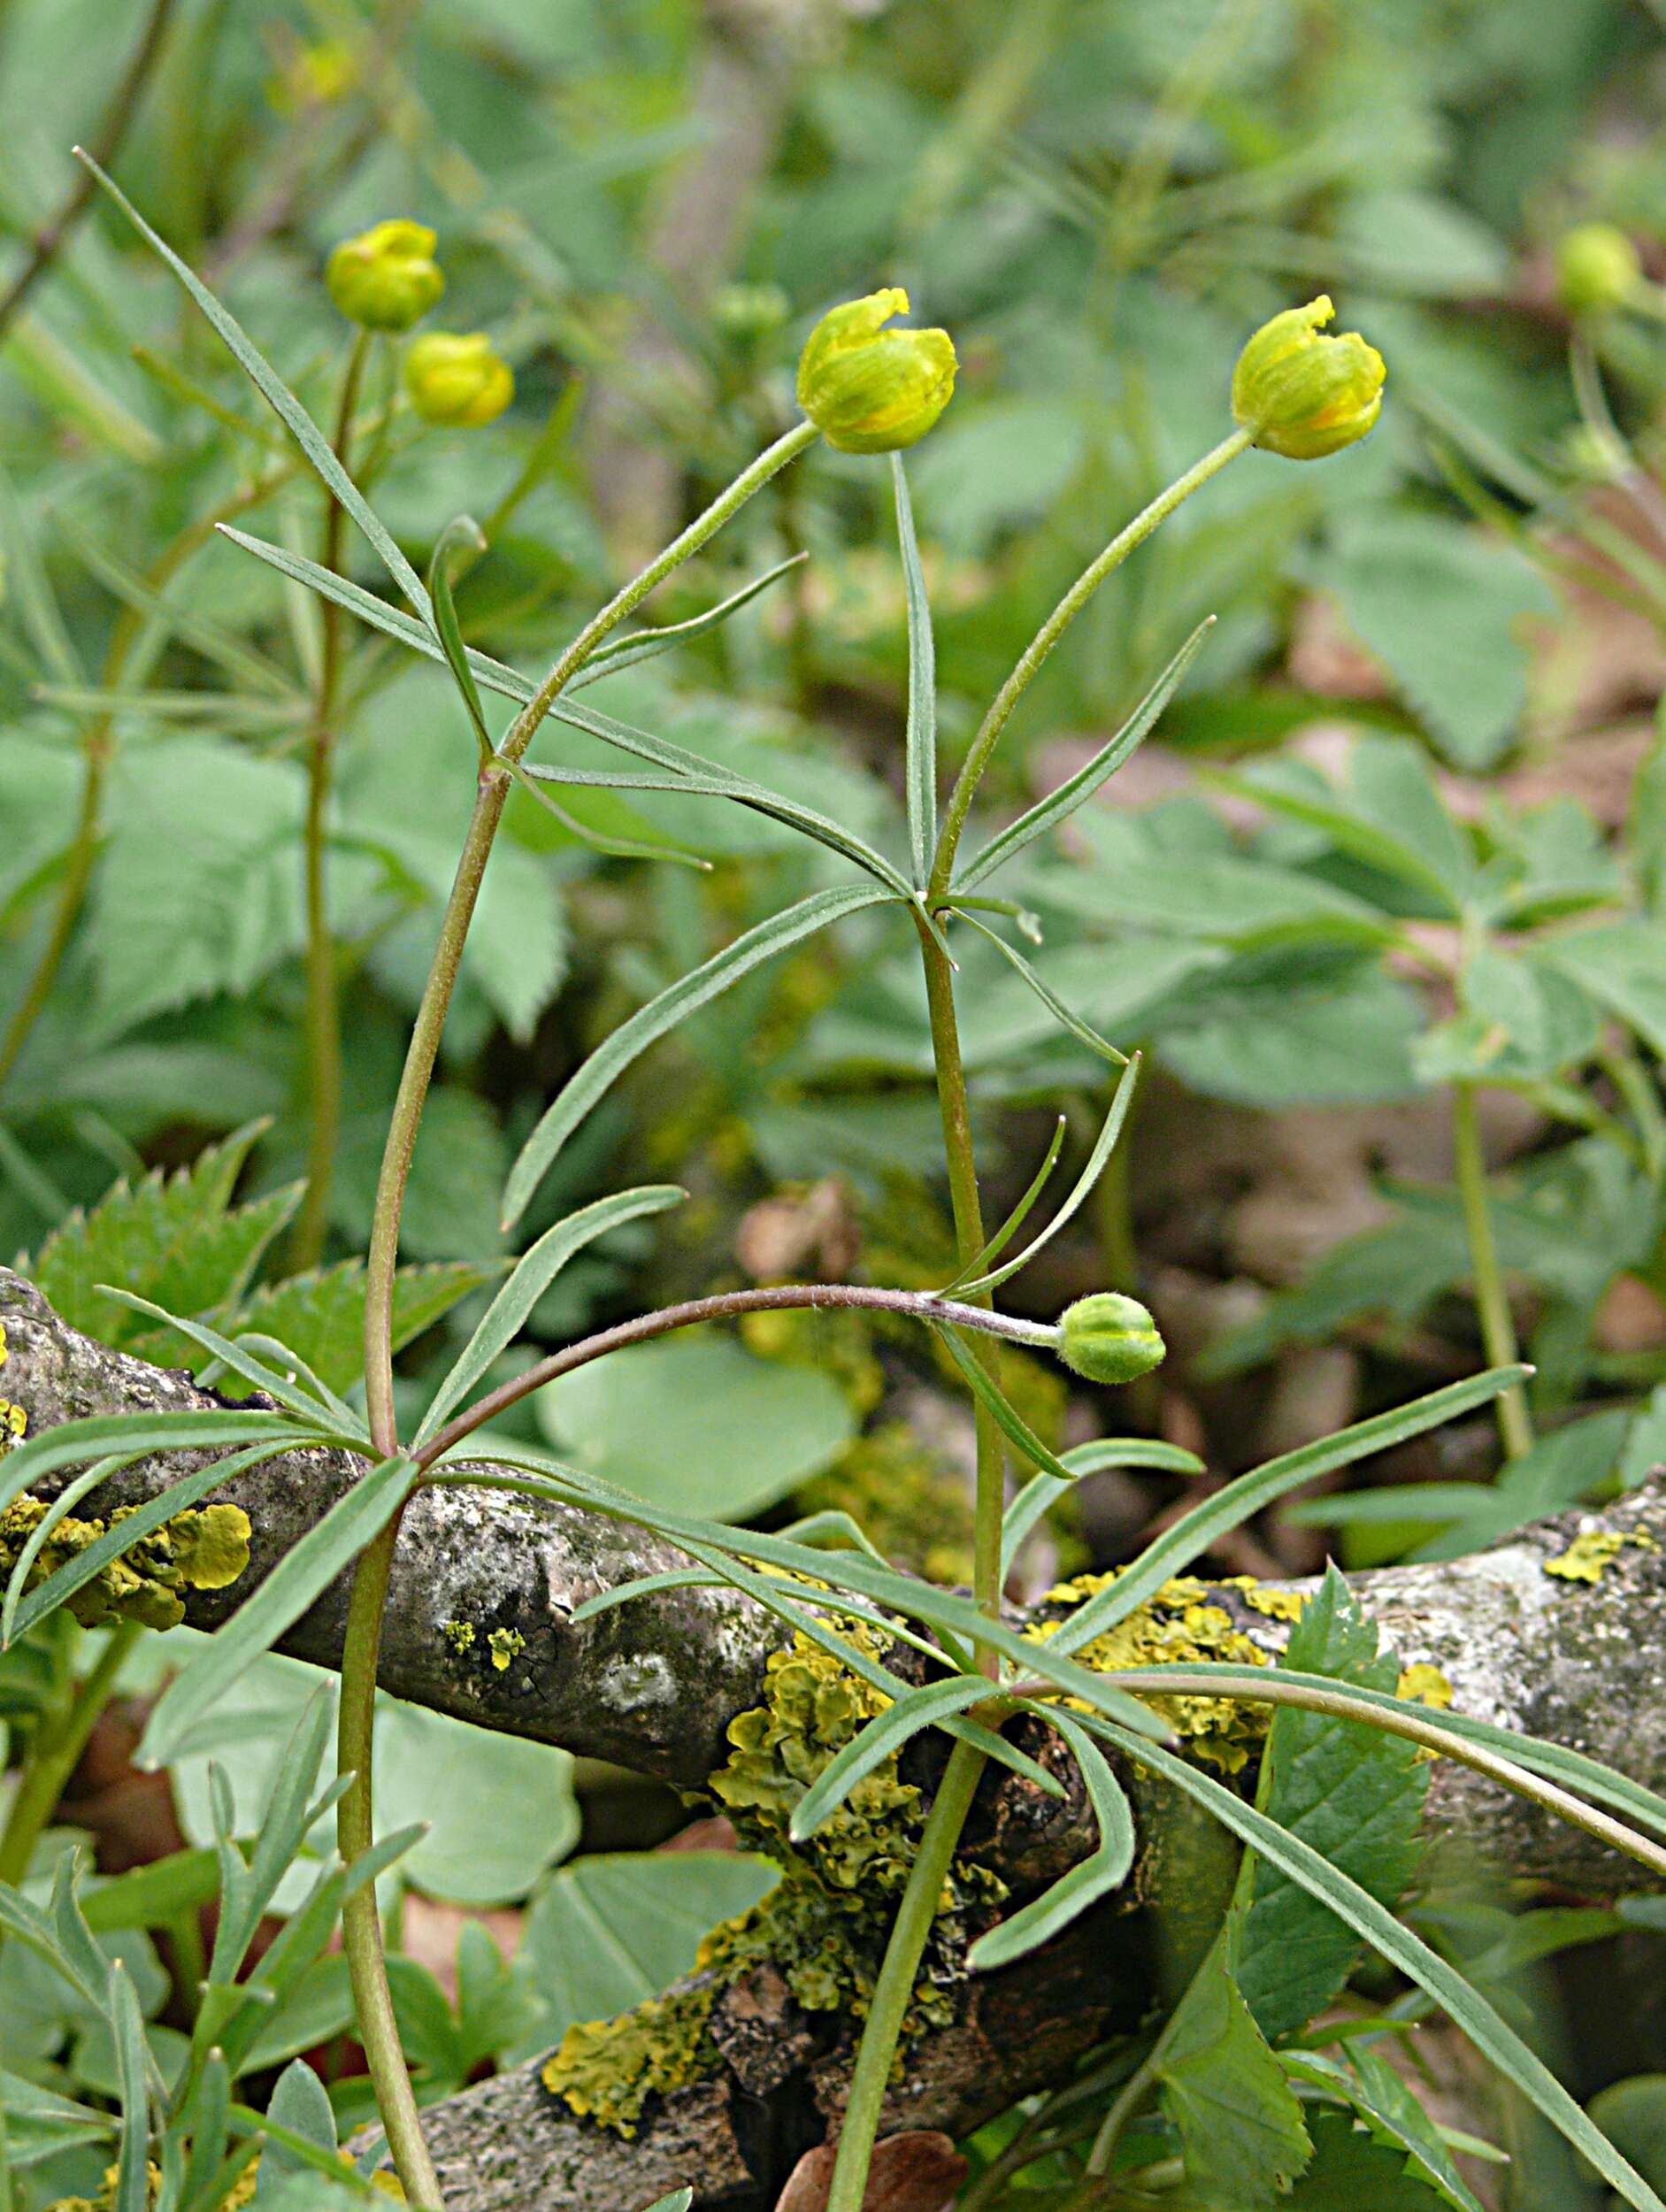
pixel 1108 1338
pixel 871 390
pixel 1597 269
pixel 457 380
pixel 1302 394
pixel 387 277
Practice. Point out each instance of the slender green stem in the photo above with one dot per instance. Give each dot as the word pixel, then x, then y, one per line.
pixel 53 1759
pixel 728 1305
pixel 323 1016
pixel 361 1924
pixel 494 789
pixel 1048 636
pixel 990 1501
pixel 1125 2107
pixel 895 1984
pixel 1491 1301
pixel 98 748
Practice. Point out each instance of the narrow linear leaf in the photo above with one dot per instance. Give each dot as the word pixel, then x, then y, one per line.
pixel 1464 2006
pixel 73 1443
pixel 755 797
pixel 640 645
pixel 1044 1490
pixel 1194 1531
pixel 494 674
pixel 1080 1030
pixel 1059 805
pixel 1040 1921
pixel 874 1743
pixel 243 1362
pixel 278 396
pixel 1020 1215
pixel 302 1574
pixel 40 1535
pixel 462 533
pixel 503 1319
pixel 132 2159
pixel 1104 1145
pixel 651 1022
pixel 920 770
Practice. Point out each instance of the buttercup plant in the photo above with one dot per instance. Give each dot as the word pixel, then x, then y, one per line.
pixel 864 394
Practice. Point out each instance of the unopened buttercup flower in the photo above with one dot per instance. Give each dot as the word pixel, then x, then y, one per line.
pixel 458 379
pixel 1109 1338
pixel 387 277
pixel 868 389
pixel 1597 269
pixel 1302 394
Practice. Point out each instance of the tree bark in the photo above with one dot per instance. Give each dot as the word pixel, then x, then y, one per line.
pixel 653 1686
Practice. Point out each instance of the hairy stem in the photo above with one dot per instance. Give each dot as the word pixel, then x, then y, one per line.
pixel 1048 636
pixel 98 753
pixel 895 1984
pixel 361 1921
pixel 1491 1301
pixel 920 1305
pixel 52 1760
pixel 492 791
pixel 323 1018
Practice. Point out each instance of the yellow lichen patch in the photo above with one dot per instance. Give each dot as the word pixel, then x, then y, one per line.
pixel 505 1646
pixel 200 1549
pixel 823 1927
pixel 815 1705
pixel 242 2193
pixel 13 1420
pixel 1177 1624
pixel 460 1635
pixel 1261 1597
pixel 1588 1558
pixel 1424 1685
pixel 607 2070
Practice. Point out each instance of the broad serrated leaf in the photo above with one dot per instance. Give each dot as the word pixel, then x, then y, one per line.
pixel 173 1240
pixel 1239 2120
pixel 199 890
pixel 1353 1793
pixel 320 1317
pixel 1442 607
pixel 1352 2173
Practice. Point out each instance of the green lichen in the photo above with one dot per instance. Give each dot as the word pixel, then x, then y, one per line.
pixel 1177 1624
pixel 460 1635
pixel 505 1646
pixel 1593 1552
pixel 823 1926
pixel 201 1548
pixel 606 2071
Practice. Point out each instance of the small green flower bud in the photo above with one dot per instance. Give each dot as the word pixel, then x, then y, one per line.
pixel 457 380
pixel 387 277
pixel 1110 1339
pixel 1302 394
pixel 1597 269
pixel 747 314
pixel 871 390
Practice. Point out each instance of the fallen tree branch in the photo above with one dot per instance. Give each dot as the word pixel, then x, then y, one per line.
pixel 653 1684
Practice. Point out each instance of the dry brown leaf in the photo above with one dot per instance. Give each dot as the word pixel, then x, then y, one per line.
pixel 918 2170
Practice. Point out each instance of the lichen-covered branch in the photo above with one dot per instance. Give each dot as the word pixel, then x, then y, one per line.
pixel 1561 1632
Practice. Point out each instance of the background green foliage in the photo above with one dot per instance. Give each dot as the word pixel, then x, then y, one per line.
pixel 1373 856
